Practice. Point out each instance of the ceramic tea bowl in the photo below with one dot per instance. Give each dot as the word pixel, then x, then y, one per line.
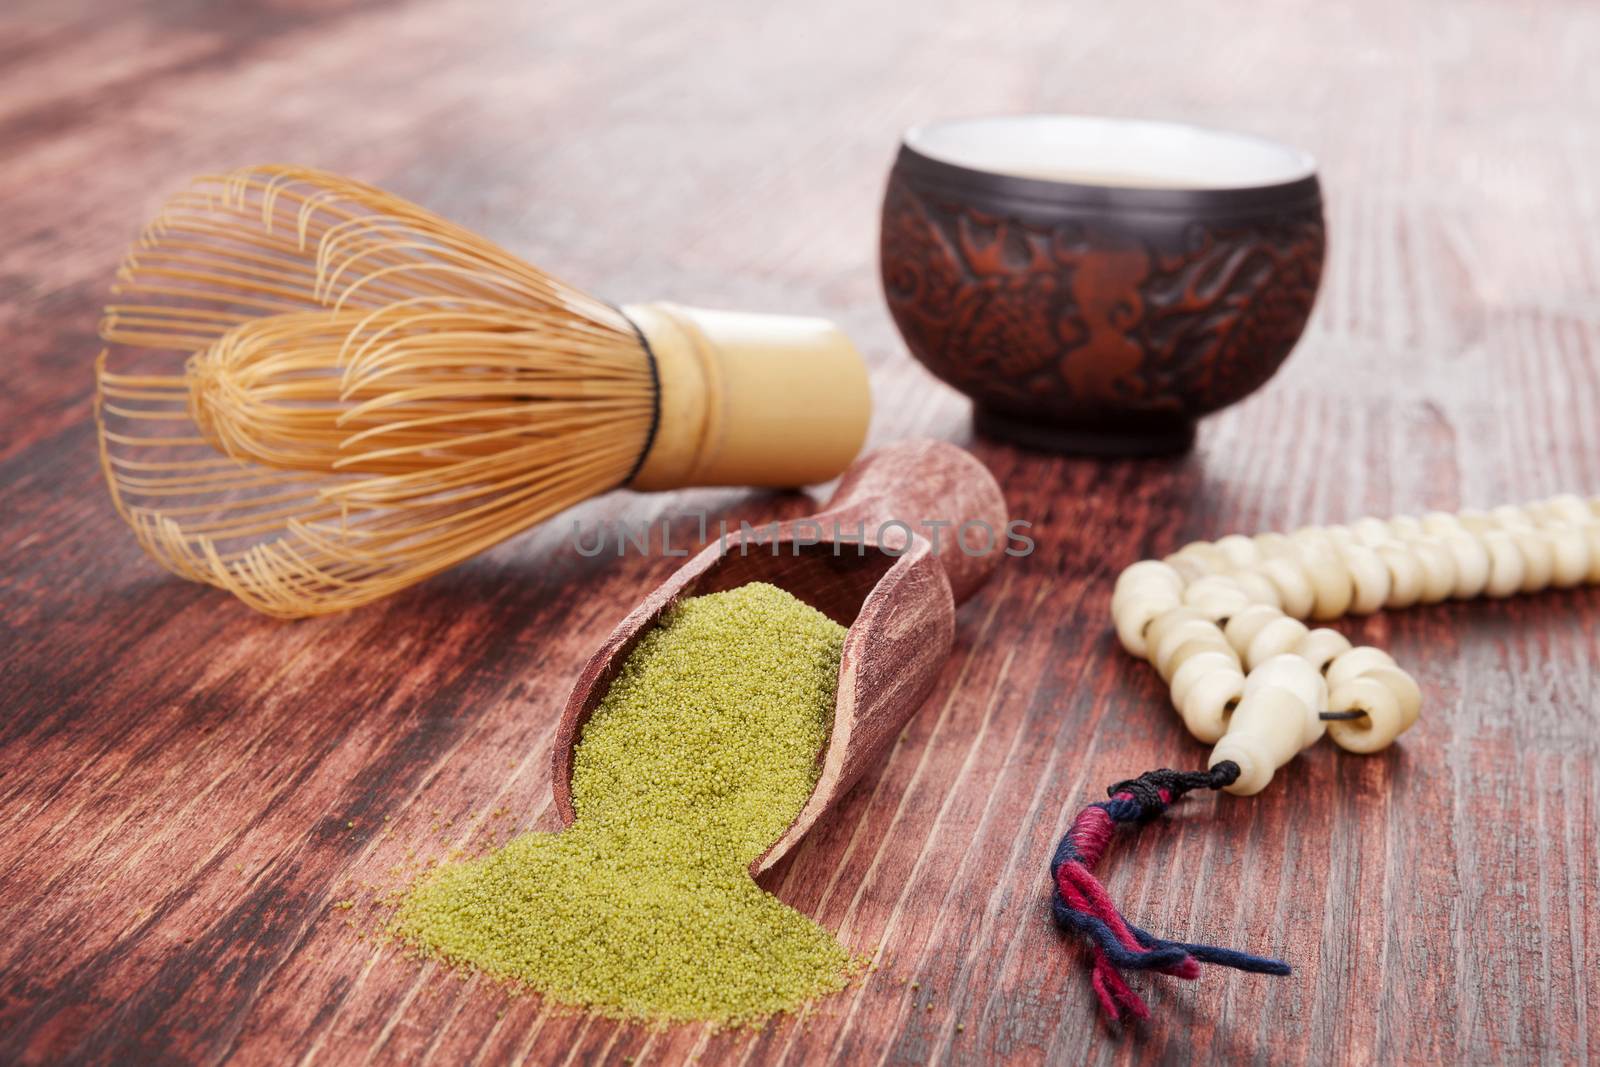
pixel 1096 285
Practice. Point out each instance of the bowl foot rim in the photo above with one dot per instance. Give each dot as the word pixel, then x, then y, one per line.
pixel 1127 436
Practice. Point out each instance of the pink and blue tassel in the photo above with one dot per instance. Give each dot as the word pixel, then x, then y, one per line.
pixel 1082 905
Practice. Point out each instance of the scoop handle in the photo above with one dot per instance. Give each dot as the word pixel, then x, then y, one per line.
pixel 934 489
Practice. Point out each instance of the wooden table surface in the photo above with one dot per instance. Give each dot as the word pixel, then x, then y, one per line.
pixel 187 790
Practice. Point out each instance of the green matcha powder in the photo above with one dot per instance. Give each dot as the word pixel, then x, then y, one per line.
pixel 701 754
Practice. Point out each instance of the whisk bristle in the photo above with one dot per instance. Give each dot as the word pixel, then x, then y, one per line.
pixel 319 393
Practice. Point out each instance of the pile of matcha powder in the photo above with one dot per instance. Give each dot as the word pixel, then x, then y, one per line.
pixel 700 755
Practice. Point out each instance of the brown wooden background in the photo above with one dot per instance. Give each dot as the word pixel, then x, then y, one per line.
pixel 178 777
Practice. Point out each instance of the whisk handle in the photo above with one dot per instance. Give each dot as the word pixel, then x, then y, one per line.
pixel 745 399
pixel 937 491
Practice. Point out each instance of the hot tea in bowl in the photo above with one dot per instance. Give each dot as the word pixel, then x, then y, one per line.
pixel 1096 285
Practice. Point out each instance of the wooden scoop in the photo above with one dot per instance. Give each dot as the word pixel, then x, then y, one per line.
pixel 867 561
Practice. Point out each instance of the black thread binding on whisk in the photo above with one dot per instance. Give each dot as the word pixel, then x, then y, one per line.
pixel 655 395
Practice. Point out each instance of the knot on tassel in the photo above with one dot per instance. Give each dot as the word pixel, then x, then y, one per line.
pixel 1156 791
pixel 1081 904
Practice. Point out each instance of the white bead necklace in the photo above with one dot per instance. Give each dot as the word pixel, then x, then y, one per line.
pixel 1222 623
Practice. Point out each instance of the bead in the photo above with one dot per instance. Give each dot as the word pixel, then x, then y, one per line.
pixel 1591 534
pixel 1196 666
pixel 1331 585
pixel 1440 523
pixel 1208 704
pixel 1311 537
pixel 1569 553
pixel 1274 544
pixel 1505 563
pixel 1188 567
pixel 1157 630
pixel 1475 521
pixel 1295 592
pixel 1216 597
pixel 1321 646
pixel 1147 573
pixel 1392 701
pixel 1405 575
pixel 1369 577
pixel 1405 689
pixel 1355 663
pixel 1371 531
pixel 1243 627
pixel 1127 599
pixel 1290 672
pixel 1472 564
pixel 1406 527
pixel 1239 550
pixel 1264 733
pixel 1195 646
pixel 1258 588
pixel 1568 508
pixel 1340 536
pixel 1136 612
pixel 1194 662
pixel 1381 724
pixel 1438 568
pixel 1508 518
pixel 1274 639
pixel 1207 555
pixel 1538 558
pixel 1197 632
pixel 1186 643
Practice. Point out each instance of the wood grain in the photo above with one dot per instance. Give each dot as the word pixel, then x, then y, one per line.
pixel 187 790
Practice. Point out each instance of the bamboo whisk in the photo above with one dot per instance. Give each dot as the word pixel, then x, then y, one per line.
pixel 318 393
